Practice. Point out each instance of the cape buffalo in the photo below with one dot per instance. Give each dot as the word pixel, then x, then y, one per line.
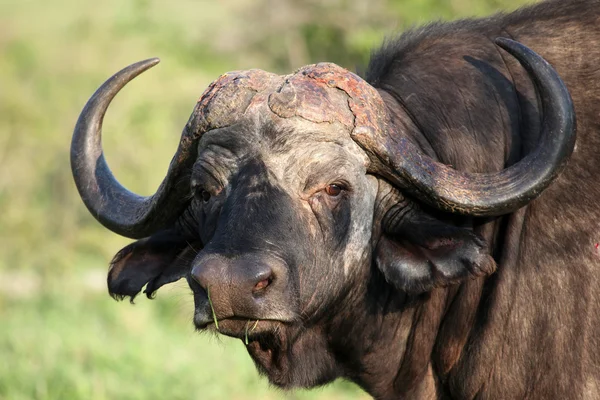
pixel 408 230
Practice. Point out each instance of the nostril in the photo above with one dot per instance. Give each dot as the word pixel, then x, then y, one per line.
pixel 262 284
pixel 263 277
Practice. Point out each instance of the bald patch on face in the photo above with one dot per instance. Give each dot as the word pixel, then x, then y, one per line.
pixel 307 155
pixel 358 249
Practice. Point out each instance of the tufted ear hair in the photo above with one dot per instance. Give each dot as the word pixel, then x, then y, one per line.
pixel 162 258
pixel 417 252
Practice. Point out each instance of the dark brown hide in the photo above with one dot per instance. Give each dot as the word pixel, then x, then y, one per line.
pixel 530 330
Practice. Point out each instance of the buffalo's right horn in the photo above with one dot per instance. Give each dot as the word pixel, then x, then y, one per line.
pixel 491 194
pixel 114 206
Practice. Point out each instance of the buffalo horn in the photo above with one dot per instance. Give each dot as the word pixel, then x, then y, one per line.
pixel 114 206
pixel 493 194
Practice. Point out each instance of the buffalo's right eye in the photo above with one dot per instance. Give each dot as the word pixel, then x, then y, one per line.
pixel 203 195
pixel 333 190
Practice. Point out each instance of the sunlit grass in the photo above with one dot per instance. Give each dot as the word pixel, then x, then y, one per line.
pixel 66 339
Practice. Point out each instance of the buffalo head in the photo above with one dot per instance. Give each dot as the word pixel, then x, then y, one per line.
pixel 289 196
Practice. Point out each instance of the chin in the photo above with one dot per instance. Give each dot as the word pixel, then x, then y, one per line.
pixel 288 354
pixel 293 357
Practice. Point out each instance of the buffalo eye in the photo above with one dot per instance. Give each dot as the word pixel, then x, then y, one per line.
pixel 199 192
pixel 203 195
pixel 333 190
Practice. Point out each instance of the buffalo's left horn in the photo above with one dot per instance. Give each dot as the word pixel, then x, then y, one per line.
pixel 492 194
pixel 115 207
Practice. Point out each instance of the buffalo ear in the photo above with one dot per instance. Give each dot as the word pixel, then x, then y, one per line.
pixel 417 253
pixel 157 260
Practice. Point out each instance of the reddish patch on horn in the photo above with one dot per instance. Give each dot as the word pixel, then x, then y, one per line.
pixel 364 101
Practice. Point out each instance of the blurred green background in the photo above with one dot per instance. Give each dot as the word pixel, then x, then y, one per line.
pixel 61 336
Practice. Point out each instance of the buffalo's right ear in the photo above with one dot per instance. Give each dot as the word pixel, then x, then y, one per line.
pixel 154 261
pixel 418 252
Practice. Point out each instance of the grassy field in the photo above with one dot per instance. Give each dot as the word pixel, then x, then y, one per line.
pixel 86 346
pixel 61 336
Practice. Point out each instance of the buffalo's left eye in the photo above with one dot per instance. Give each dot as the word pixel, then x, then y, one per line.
pixel 203 195
pixel 333 190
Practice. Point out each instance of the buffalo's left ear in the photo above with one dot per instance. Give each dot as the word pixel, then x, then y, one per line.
pixel 154 261
pixel 417 252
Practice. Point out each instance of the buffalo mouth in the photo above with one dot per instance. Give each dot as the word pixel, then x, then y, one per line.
pixel 266 341
pixel 269 351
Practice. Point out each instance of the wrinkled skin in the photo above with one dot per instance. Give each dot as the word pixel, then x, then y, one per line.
pixel 268 206
pixel 366 283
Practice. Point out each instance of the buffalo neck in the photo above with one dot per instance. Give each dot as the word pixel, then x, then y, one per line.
pixel 388 338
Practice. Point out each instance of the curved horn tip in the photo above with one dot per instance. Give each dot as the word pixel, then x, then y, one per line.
pixel 515 48
pixel 108 201
pixel 512 46
pixel 145 64
pixel 503 41
pixel 152 61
